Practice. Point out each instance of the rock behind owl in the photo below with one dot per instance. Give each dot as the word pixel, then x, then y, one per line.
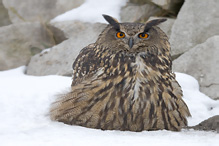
pixel 124 81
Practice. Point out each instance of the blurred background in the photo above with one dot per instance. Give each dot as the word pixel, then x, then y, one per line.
pixel 47 35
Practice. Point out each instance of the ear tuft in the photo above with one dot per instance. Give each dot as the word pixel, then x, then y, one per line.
pixel 153 23
pixel 112 21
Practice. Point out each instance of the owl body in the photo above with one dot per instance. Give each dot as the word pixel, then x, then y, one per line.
pixel 124 83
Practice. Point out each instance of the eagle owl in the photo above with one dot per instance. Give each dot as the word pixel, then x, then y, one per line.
pixel 124 81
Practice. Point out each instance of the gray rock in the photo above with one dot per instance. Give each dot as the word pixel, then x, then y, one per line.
pixel 60 58
pixel 38 10
pixel 57 34
pixel 166 26
pixel 54 61
pixel 211 124
pixel 171 5
pixel 195 23
pixel 18 42
pixel 202 62
pixel 78 29
pixel 65 5
pixel 133 13
pixel 163 3
pixel 4 15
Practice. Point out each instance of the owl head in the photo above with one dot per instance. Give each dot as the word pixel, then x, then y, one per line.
pixel 133 38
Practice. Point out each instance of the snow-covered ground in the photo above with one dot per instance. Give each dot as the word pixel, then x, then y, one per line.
pixel 24 120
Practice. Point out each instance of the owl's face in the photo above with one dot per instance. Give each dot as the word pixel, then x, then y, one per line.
pixel 132 38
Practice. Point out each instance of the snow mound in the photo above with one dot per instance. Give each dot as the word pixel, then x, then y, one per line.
pixel 200 105
pixel 92 10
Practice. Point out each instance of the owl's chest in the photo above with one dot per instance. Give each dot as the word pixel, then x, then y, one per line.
pixel 130 79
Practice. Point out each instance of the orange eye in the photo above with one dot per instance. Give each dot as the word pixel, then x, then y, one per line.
pixel 120 34
pixel 143 35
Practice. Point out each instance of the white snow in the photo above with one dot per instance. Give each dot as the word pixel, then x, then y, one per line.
pixel 24 106
pixel 92 10
pixel 200 105
pixel 45 50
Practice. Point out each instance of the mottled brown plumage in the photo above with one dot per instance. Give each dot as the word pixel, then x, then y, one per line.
pixel 124 82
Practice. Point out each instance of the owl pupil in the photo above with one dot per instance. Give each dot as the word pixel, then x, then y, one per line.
pixel 143 35
pixel 121 34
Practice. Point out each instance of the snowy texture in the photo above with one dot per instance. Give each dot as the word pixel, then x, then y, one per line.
pixel 200 105
pixel 25 101
pixel 92 10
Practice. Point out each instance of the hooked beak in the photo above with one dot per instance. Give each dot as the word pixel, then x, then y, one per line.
pixel 130 42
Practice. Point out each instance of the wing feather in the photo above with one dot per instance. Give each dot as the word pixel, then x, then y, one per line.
pixel 86 64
